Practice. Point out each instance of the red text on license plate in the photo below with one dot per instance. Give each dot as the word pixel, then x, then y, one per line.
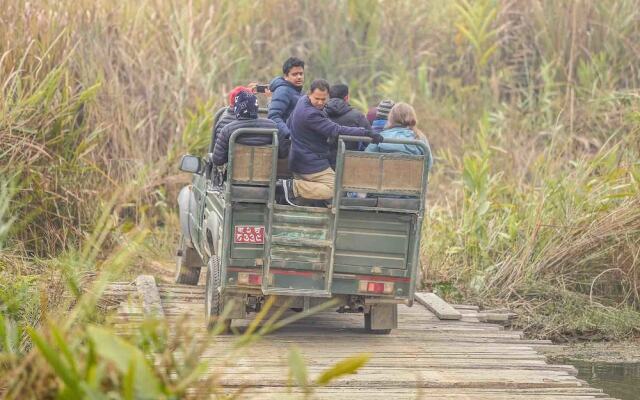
pixel 248 234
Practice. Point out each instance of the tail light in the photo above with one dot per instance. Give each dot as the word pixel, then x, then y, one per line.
pixel 375 287
pixel 248 278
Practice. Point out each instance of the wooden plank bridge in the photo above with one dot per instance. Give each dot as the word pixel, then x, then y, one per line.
pixel 425 358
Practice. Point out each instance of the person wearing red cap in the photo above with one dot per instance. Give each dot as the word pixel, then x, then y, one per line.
pixel 228 116
pixel 245 109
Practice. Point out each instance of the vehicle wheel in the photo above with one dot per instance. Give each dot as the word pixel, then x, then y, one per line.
pixel 367 326
pixel 188 264
pixel 213 303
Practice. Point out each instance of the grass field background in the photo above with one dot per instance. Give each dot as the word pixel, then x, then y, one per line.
pixel 532 109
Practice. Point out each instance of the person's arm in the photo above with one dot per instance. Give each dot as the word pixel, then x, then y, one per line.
pixel 277 107
pixel 362 121
pixel 221 149
pixel 284 145
pixel 322 125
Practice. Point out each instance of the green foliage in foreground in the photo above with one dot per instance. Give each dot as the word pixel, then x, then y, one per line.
pixel 94 362
pixel 532 109
pixel 73 358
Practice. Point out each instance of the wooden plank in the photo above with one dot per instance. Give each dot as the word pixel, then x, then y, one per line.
pixel 148 292
pixel 465 307
pixel 439 307
pixel 426 357
pixel 496 318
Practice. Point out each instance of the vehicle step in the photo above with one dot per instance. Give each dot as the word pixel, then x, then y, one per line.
pixel 301 219
pixel 289 253
pixel 301 209
pixel 294 232
pixel 298 292
pixel 300 242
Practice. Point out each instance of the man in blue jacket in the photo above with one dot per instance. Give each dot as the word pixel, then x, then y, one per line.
pixel 311 134
pixel 286 90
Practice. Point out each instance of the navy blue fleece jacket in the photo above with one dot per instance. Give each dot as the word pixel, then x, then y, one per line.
pixel 310 128
pixel 284 98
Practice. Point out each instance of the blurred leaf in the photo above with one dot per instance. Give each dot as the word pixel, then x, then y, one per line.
pixel 64 348
pixel 345 367
pixel 297 368
pixel 124 355
pixel 63 371
pixel 10 333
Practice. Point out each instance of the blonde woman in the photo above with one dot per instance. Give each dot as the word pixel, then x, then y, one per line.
pixel 400 125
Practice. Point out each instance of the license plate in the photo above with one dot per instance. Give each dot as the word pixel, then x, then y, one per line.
pixel 248 234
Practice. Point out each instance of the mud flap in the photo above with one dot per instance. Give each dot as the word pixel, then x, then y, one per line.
pixel 185 200
pixel 238 307
pixel 384 316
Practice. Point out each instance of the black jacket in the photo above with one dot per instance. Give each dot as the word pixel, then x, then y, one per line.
pixel 221 149
pixel 340 112
pixel 343 114
pixel 227 117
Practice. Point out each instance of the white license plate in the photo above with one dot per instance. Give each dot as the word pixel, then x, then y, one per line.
pixel 248 234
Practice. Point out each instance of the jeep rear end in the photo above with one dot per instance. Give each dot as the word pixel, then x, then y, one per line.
pixel 362 251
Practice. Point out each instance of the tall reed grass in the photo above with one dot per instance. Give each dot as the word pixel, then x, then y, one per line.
pixel 532 108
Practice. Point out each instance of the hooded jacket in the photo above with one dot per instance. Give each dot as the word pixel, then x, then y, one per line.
pixel 399 133
pixel 284 98
pixel 341 112
pixel 221 149
pixel 310 128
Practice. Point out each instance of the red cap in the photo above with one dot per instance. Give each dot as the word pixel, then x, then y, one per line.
pixel 234 93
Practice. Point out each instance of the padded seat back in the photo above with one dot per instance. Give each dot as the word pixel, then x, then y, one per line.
pixel 382 173
pixel 252 165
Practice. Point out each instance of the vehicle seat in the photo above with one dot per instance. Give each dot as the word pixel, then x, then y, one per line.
pixel 252 165
pixel 395 179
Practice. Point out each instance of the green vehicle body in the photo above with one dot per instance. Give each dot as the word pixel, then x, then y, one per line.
pixel 363 252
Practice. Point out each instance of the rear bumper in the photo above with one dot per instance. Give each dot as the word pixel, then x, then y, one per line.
pixel 342 284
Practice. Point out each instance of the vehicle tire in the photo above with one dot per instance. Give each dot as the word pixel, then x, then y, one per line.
pixel 188 264
pixel 213 302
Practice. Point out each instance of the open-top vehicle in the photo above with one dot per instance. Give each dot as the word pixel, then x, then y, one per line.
pixel 364 252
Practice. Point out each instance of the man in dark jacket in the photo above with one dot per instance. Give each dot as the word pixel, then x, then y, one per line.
pixel 246 116
pixel 340 111
pixel 286 90
pixel 311 130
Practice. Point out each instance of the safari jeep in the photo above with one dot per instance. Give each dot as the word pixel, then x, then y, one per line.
pixel 364 252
